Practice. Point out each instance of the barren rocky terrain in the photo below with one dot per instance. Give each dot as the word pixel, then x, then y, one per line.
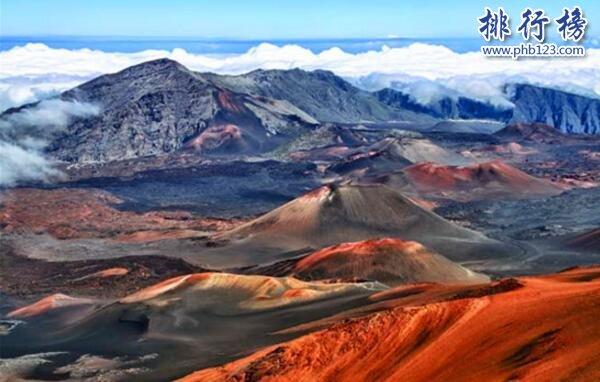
pixel 286 225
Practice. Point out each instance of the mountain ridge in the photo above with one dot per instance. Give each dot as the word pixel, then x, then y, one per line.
pixel 321 93
pixel 569 113
pixel 161 107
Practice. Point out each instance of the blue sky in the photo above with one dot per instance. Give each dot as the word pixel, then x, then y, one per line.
pixel 261 19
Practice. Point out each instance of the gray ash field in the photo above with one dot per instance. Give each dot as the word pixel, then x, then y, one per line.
pixel 231 189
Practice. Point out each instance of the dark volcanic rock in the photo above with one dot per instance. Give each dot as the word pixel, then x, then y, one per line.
pixel 229 189
pixel 28 279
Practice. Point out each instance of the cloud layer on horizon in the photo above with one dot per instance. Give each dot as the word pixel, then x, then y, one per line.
pixel 35 71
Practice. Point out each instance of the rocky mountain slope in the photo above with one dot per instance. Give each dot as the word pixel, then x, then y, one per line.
pixel 320 93
pixel 568 112
pixel 159 107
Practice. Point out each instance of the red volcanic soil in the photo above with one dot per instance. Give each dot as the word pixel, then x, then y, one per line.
pixel 165 286
pixel 47 304
pixel 483 180
pixel 216 136
pixel 110 272
pixel 390 261
pixel 227 102
pixel 589 241
pixel 78 213
pixel 542 329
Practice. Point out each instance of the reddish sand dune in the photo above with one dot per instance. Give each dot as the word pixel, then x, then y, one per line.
pixel 47 304
pixel 545 330
pixel 222 293
pixel 484 180
pixel 390 261
pixel 78 213
pixel 230 293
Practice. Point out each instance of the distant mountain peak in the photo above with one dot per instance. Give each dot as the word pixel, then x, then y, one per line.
pixel 159 64
pixel 160 107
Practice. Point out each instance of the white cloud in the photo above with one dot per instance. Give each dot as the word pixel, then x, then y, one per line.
pixel 19 90
pixel 23 137
pixel 469 73
pixel 54 113
pixel 23 164
pixel 484 87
